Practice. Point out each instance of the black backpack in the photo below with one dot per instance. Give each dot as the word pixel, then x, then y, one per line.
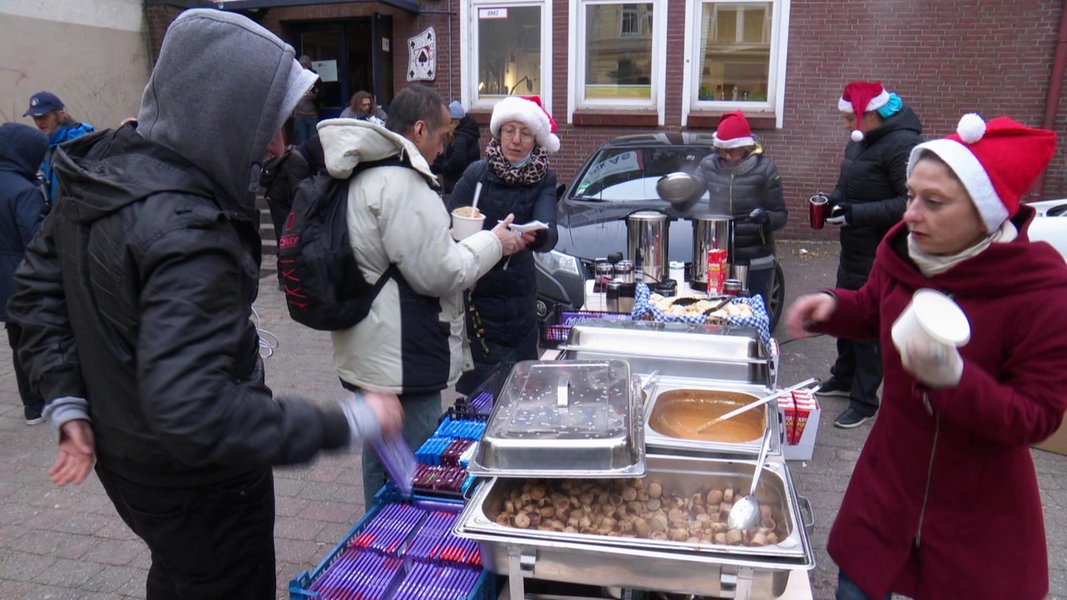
pixel 324 288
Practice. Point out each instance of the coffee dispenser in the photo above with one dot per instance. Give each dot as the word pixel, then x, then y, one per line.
pixel 710 232
pixel 647 245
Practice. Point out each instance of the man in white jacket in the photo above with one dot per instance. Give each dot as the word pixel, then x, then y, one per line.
pixel 413 341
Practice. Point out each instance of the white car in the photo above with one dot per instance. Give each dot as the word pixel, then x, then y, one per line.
pixel 1050 225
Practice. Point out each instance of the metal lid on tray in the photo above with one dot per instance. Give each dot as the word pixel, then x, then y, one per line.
pixel 564 418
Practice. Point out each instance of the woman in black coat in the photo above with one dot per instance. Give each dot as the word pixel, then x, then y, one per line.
pixel 515 178
pixel 867 201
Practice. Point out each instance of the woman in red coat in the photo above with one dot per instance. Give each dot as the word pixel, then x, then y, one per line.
pixel 943 502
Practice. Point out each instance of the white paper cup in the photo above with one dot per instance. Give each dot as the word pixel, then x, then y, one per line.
pixel 463 224
pixel 933 317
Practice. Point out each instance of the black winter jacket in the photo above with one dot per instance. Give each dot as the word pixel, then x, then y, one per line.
pixel 463 151
pixel 137 296
pixel 505 296
pixel 736 190
pixel 872 187
pixel 22 202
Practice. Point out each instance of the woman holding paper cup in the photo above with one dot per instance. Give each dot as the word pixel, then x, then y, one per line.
pixel 943 502
pixel 513 178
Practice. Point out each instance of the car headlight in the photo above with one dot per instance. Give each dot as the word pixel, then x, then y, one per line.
pixel 558 262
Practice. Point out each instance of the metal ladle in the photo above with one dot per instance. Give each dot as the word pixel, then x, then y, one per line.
pixel 744 514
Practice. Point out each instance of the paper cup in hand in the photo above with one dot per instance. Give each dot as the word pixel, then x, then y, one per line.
pixel 466 221
pixel 932 317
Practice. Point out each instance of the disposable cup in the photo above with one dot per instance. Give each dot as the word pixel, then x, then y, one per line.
pixel 933 317
pixel 817 210
pixel 466 221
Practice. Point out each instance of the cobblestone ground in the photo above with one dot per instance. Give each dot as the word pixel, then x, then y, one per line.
pixel 69 544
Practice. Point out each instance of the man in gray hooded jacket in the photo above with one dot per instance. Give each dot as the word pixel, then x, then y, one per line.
pixel 135 303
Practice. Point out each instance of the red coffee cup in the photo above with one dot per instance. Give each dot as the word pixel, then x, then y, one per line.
pixel 817 210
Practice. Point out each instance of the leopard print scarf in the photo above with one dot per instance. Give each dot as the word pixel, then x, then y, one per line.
pixel 528 174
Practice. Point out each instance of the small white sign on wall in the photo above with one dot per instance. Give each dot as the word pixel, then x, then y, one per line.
pixel 327 69
pixel 422 56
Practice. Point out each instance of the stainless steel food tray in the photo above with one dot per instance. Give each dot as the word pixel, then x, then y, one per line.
pixel 659 443
pixel 683 567
pixel 676 349
pixel 564 418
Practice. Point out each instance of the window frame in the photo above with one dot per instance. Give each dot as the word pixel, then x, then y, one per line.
pixel 577 45
pixel 779 42
pixel 469 11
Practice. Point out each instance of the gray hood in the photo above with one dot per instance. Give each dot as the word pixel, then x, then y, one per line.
pixel 222 87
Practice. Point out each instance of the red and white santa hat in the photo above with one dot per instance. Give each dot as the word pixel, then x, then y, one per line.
pixel 529 111
pixel 861 97
pixel 733 131
pixel 997 161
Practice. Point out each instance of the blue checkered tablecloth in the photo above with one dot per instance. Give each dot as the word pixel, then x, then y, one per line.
pixel 644 309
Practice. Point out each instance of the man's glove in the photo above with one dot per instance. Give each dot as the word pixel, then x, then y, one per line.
pixel 839 215
pixel 760 217
pixel 934 365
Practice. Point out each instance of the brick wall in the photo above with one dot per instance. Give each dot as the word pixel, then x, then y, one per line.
pixel 943 57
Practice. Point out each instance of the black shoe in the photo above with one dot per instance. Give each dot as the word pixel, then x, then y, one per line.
pixel 834 387
pixel 33 415
pixel 851 418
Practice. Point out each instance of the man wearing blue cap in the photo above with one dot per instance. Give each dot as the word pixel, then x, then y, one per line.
pixel 50 116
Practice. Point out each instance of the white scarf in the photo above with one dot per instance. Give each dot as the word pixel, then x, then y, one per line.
pixel 935 264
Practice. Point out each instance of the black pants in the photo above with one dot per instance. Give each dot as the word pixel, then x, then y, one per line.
pixel 859 364
pixel 213 541
pixel 30 398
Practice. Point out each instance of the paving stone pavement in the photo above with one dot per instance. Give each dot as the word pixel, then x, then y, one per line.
pixel 68 543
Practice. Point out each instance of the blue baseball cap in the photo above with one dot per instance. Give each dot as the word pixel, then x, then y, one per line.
pixel 43 103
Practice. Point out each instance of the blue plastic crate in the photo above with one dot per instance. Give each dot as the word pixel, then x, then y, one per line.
pixel 344 570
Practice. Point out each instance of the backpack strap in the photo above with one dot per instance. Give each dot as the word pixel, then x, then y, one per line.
pixel 392 161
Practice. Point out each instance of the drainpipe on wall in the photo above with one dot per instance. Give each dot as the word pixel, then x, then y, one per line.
pixel 1052 100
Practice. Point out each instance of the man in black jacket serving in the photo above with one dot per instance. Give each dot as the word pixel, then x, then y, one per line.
pixel 135 303
pixel 869 199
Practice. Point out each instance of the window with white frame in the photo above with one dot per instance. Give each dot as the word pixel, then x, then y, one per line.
pixel 618 50
pixel 510 43
pixel 737 52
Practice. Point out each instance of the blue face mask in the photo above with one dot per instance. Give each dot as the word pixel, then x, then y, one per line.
pixel 522 162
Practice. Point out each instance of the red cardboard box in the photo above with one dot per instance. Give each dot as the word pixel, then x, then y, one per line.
pixel 805 426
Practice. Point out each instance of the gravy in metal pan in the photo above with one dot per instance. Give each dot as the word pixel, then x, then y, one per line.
pixel 679 413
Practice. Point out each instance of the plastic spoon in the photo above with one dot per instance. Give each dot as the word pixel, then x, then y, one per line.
pixel 744 514
pixel 474 203
pixel 764 400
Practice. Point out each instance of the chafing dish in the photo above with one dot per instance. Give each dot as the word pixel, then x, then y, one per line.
pixel 677 406
pixel 566 418
pixel 733 354
pixel 691 567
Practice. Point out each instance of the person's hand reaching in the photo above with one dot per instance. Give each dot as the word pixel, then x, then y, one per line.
pixel 511 242
pixel 77 453
pixel 806 310
pixel 387 408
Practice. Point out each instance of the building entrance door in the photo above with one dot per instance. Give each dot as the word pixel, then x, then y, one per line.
pixel 349 55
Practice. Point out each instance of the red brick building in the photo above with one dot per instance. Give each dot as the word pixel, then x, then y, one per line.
pixel 606 68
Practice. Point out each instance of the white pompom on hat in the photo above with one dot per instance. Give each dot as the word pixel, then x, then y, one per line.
pixel 997 161
pixel 733 131
pixel 529 111
pixel 861 97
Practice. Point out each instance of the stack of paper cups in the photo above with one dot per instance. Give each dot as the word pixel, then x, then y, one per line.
pixel 933 317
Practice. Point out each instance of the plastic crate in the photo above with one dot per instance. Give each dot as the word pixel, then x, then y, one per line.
pixel 425 562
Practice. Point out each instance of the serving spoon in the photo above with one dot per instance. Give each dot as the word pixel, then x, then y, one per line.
pixel 744 514
pixel 755 403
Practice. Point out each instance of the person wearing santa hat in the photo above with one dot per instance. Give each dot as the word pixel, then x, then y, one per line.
pixel 943 501
pixel 515 177
pixel 868 199
pixel 744 183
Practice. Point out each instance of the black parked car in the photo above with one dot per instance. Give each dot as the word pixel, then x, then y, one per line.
pixel 621 177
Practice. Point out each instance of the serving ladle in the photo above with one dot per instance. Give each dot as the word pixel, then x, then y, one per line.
pixel 755 403
pixel 744 514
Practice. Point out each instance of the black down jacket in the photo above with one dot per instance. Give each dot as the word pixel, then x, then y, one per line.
pixel 736 189
pixel 872 187
pixel 505 296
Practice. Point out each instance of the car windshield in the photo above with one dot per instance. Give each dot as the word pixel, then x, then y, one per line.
pixel 630 174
